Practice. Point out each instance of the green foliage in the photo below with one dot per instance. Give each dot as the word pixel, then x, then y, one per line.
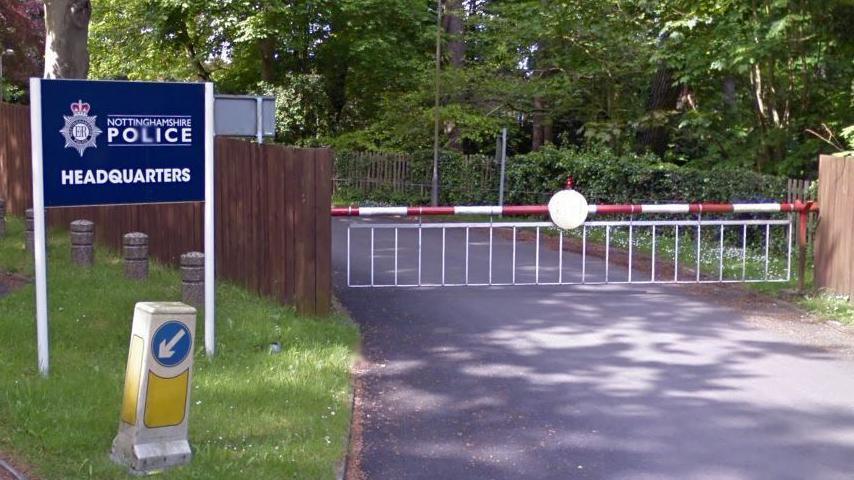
pixel 743 81
pixel 604 177
pixel 789 66
pixel 600 174
pixel 848 136
pixel 300 109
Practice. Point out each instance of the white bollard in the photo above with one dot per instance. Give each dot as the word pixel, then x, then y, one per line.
pixel 153 427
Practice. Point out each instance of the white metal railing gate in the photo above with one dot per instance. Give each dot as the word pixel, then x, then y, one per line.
pixel 446 254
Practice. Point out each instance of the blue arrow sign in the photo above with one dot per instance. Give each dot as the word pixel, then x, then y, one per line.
pixel 171 343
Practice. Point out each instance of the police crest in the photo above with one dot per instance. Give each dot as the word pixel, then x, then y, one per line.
pixel 80 130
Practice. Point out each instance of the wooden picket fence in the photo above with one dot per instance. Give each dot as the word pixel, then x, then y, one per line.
pixel 367 172
pixel 805 191
pixel 273 225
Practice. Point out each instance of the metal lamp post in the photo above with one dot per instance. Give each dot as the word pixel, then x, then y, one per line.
pixel 8 51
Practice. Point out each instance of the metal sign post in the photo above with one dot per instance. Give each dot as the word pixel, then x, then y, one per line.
pixel 117 143
pixel 210 263
pixel 39 236
pixel 245 116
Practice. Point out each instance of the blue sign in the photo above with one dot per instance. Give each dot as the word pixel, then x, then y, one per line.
pixel 171 343
pixel 106 142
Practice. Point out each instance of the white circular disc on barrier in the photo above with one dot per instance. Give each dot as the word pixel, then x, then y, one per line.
pixel 568 209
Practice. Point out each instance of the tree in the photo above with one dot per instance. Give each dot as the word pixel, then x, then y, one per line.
pixel 22 31
pixel 785 67
pixel 733 83
pixel 67 28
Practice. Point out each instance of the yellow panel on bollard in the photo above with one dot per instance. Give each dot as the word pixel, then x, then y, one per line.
pixel 164 406
pixel 133 377
pixel 155 408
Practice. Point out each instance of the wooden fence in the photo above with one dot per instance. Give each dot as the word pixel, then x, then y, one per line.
pixel 805 191
pixel 15 167
pixel 834 244
pixel 367 172
pixel 273 228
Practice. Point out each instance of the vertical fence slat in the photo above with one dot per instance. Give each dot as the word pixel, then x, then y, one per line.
pixel 323 232
pixel 304 241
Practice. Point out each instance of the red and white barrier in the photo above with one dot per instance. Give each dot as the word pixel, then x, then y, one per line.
pixel 523 210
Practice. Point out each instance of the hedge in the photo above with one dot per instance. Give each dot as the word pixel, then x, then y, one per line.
pixel 601 175
pixel 604 177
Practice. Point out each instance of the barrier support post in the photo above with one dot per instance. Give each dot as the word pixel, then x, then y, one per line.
pixel 803 213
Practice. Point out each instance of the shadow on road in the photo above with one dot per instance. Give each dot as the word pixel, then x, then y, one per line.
pixel 591 382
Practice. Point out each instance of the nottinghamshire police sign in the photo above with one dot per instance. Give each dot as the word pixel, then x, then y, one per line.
pixel 122 142
pixel 113 143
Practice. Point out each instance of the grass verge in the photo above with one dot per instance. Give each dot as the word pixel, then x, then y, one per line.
pixel 253 415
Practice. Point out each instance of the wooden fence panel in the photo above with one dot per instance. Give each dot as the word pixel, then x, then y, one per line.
pixel 273 226
pixel 304 243
pixel 834 248
pixel 367 172
pixel 15 169
pixel 323 237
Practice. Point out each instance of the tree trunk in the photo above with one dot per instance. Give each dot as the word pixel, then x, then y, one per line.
pixel 538 120
pixel 268 51
pixel 663 96
pixel 729 90
pixel 548 129
pixel 452 24
pixel 66 49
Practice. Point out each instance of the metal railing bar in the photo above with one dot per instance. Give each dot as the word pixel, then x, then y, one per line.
pixel 538 226
pixel 443 255
pixel 349 283
pixel 467 255
pixel 583 254
pixel 395 256
pixel 490 251
pixel 676 256
pixel 652 274
pixel 607 251
pixel 537 258
pixel 699 233
pixel 513 278
pixel 744 252
pixel 631 245
pixel 638 223
pixel 545 284
pixel 789 254
pixel 767 247
pixel 560 258
pixel 721 257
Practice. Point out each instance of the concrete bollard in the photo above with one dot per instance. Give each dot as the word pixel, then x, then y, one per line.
pixel 83 243
pixel 2 218
pixel 193 279
pixel 29 234
pixel 136 255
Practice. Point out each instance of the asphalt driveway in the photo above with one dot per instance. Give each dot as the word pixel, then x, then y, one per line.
pixel 589 382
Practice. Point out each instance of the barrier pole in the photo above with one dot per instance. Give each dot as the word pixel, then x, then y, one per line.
pixel 803 219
